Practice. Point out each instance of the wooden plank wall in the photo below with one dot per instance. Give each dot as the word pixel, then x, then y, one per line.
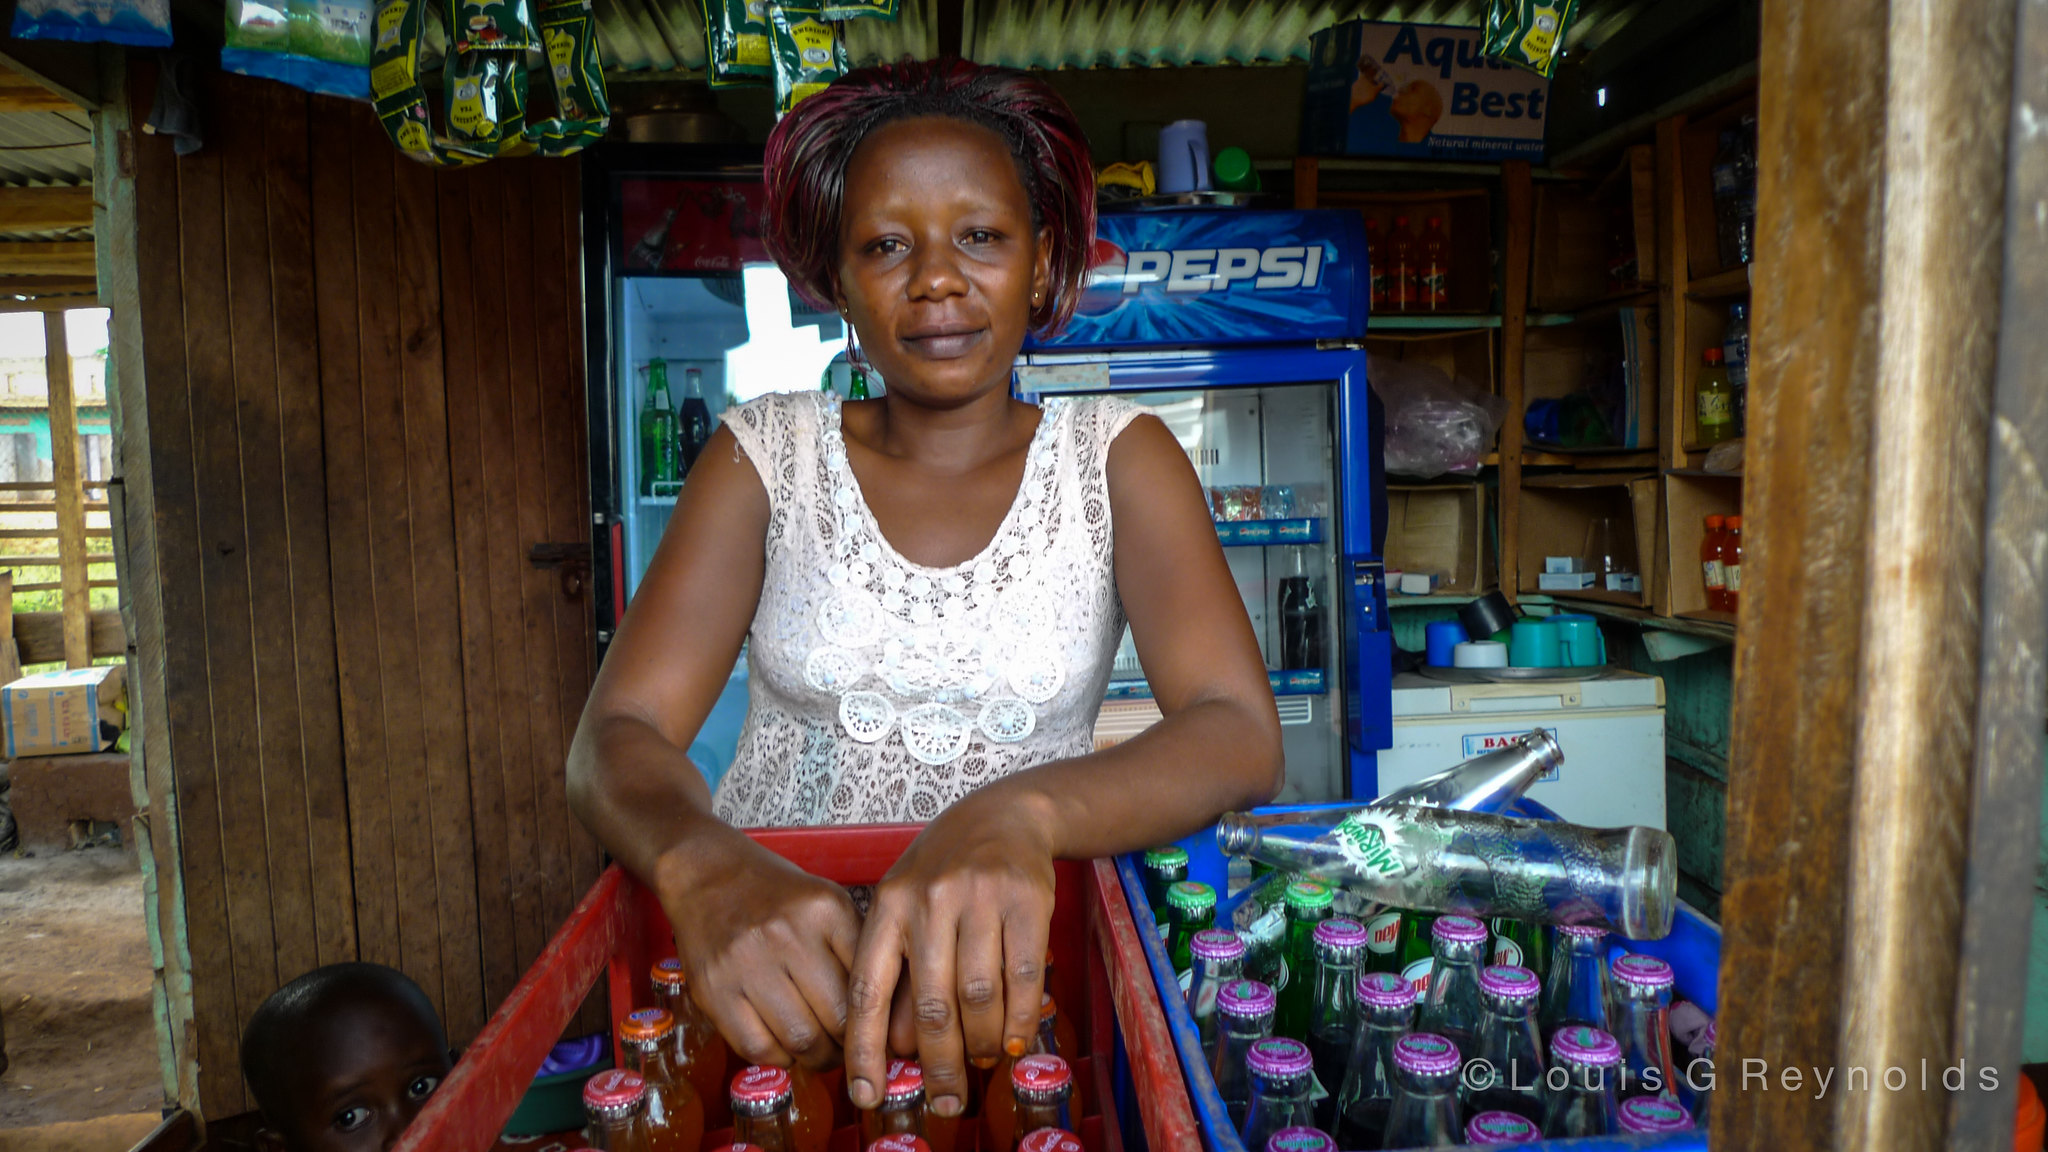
pixel 364 386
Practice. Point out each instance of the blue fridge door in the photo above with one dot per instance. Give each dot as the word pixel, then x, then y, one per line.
pixel 1287 443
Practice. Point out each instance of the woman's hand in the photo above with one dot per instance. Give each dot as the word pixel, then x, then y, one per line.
pixel 966 912
pixel 767 947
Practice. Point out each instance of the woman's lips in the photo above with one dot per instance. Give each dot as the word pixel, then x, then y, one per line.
pixel 944 343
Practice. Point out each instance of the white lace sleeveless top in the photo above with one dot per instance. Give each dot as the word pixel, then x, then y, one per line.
pixel 881 690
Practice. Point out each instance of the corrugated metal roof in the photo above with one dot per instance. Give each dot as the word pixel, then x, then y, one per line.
pixel 45 148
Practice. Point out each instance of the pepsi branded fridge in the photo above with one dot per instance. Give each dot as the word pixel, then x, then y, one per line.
pixel 1243 332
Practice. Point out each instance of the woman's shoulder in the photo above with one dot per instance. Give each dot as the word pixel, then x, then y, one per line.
pixel 1100 419
pixel 778 406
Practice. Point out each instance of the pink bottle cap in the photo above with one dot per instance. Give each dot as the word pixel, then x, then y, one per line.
pixel 613 1089
pixel 1425 1054
pixel 1642 971
pixel 1041 1073
pixel 1458 930
pixel 761 1085
pixel 1509 982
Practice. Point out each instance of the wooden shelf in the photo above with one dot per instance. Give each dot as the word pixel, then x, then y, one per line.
pixel 1715 625
pixel 1634 460
pixel 1429 322
pixel 1433 600
pixel 1600 309
pixel 1721 285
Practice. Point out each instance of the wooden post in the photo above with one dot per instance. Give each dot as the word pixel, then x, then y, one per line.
pixel 70 497
pixel 1518 190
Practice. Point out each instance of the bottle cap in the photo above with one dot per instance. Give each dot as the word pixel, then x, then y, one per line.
pixel 1714 522
pixel 1735 522
pixel 613 1091
pixel 1309 895
pixel 1458 930
pixel 1341 935
pixel 906 1079
pixel 900 1142
pixel 1278 1056
pixel 1040 1073
pixel 647 1026
pixel 1300 1139
pixel 1641 971
pixel 1246 998
pixel 1582 931
pixel 1190 896
pixel 1047 1009
pixel 1049 1140
pixel 1425 1054
pixel 1384 990
pixel 1712 356
pixel 1585 1046
pixel 1653 1114
pixel 760 1085
pixel 669 977
pixel 1216 944
pixel 1501 1128
pixel 1510 982
pixel 1171 856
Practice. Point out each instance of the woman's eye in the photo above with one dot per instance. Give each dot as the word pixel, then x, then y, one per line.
pixel 422 1087
pixel 887 247
pixel 350 1119
pixel 981 236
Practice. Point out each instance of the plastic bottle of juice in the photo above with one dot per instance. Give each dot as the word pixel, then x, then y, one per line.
pixel 1402 280
pixel 1732 563
pixel 1713 399
pixel 675 1114
pixel 700 1052
pixel 1434 285
pixel 1710 565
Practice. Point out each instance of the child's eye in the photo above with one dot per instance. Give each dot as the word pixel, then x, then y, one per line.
pixel 350 1119
pixel 422 1087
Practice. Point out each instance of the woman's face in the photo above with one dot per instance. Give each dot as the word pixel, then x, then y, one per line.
pixel 939 265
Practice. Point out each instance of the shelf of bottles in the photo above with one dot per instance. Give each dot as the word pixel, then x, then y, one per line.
pixel 1288 682
pixel 1260 533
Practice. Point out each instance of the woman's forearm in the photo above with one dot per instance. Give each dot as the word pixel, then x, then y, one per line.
pixel 641 797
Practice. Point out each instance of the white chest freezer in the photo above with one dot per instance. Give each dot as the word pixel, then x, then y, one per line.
pixel 1611 730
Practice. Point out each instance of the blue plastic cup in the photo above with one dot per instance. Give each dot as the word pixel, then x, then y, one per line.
pixel 1442 637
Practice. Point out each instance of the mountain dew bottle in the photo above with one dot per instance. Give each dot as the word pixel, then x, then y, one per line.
pixel 1417 956
pixel 1520 944
pixel 1308 904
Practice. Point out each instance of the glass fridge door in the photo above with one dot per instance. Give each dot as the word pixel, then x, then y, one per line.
pixel 1267 458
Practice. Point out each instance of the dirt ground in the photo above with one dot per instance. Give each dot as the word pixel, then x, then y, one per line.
pixel 75 998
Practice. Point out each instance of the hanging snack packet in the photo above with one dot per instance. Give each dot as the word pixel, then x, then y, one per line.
pixel 400 101
pixel 319 45
pixel 493 25
pixel 486 99
pixel 855 9
pixel 143 23
pixel 1528 33
pixel 582 109
pixel 808 55
pixel 736 42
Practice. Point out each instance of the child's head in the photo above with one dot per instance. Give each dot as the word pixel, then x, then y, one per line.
pixel 343 1058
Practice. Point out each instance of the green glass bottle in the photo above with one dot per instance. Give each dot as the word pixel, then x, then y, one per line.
pixel 859 389
pixel 1191 906
pixel 1521 943
pixel 1164 867
pixel 1417 955
pixel 657 434
pixel 1383 942
pixel 1308 904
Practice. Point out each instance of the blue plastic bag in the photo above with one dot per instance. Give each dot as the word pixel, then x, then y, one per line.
pixel 143 23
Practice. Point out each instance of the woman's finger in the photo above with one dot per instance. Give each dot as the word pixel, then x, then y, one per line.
pixel 870 987
pixel 1027 927
pixel 979 983
pixel 736 1019
pixel 933 942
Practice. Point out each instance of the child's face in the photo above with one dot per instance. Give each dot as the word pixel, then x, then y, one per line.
pixel 365 1072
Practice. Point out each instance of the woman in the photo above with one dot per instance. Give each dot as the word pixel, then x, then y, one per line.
pixel 934 584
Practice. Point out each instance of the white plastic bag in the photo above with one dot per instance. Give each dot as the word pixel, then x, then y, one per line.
pixel 1434 424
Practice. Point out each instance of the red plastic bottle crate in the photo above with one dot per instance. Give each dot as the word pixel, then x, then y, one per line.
pixel 619 931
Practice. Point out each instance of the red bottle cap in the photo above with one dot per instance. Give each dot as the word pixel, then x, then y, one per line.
pixel 647 1026
pixel 900 1142
pixel 1041 1073
pixel 613 1089
pixel 906 1077
pixel 1734 522
pixel 760 1085
pixel 1713 356
pixel 1050 1140
pixel 668 976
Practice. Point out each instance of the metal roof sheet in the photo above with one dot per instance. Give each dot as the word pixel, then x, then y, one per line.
pixel 45 148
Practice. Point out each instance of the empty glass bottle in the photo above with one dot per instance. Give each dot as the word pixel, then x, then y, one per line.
pixel 1642 1004
pixel 1191 907
pixel 1474 864
pixel 1308 904
pixel 1219 960
pixel 1339 944
pixel 1500 1130
pixel 1245 1009
pixel 1585 1062
pixel 1652 1114
pixel 1164 867
pixel 1453 1007
pixel 1425 1111
pixel 1281 1074
pixel 1507 1070
pixel 1386 1009
pixel 1575 990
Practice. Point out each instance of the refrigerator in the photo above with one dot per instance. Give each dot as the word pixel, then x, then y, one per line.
pixel 1242 330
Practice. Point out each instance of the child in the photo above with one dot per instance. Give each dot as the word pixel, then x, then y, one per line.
pixel 343 1058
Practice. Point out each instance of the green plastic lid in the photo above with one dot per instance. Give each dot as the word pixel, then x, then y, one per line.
pixel 1309 895
pixel 1191 896
pixel 1171 856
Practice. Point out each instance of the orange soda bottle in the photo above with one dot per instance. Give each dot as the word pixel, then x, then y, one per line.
pixel 1376 265
pixel 675 1113
pixel 1049 1140
pixel 1433 281
pixel 1044 1088
pixel 1710 566
pixel 700 1052
pixel 901 1112
pixel 615 1102
pixel 1402 278
pixel 900 1142
pixel 1731 554
pixel 810 1110
pixel 760 1109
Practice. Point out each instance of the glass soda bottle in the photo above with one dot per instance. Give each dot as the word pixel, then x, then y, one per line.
pixel 1713 400
pixel 1386 1008
pixel 700 1053
pixel 1402 274
pixel 1191 908
pixel 615 1103
pixel 761 1099
pixel 1652 1114
pixel 1333 1020
pixel 1383 942
pixel 1376 265
pixel 1049 1140
pixel 1219 960
pixel 1299 1139
pixel 1246 1011
pixel 1641 993
pixel 1425 1109
pixel 1056 1037
pixel 1711 572
pixel 1473 863
pixel 1584 1062
pixel 1044 1088
pixel 657 432
pixel 858 389
pixel 693 422
pixel 1575 990
pixel 999 1106
pixel 1520 944
pixel 1454 1008
pixel 1732 562
pixel 1510 1046
pixel 1309 903
pixel 1418 955
pixel 1164 867
pixel 1433 289
pixel 895 1142
pixel 810 1110
pixel 1281 1071
pixel 1501 1130
pixel 675 1113
pixel 901 1112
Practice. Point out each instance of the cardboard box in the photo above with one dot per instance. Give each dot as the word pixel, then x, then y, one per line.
pixel 1689 498
pixel 1418 90
pixel 62 713
pixel 1441 530
pixel 1565 581
pixel 1557 512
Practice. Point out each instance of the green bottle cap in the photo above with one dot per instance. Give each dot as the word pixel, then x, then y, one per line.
pixel 1309 895
pixel 1234 171
pixel 1191 896
pixel 1171 856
